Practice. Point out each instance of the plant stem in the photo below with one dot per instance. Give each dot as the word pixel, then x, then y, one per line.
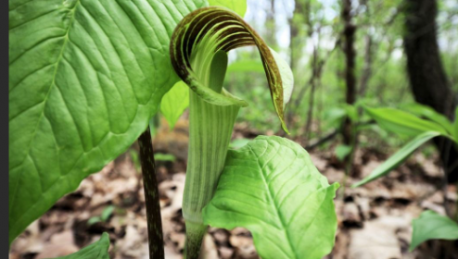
pixel 194 236
pixel 153 209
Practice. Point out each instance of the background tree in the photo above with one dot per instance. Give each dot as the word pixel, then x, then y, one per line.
pixel 427 76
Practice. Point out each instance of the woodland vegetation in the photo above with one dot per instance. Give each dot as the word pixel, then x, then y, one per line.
pixel 369 111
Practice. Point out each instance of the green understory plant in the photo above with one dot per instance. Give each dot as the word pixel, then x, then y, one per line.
pixel 269 186
pixel 429 225
pixel 87 76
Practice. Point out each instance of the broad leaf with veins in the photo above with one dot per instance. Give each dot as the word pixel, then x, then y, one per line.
pixel 85 78
pixel 271 187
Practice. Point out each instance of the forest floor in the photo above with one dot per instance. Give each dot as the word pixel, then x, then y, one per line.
pixel 374 220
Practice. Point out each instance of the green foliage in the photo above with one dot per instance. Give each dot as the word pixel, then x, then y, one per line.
pixel 342 151
pixel 164 157
pixel 104 217
pixel 97 250
pixel 455 126
pixel 106 213
pixel 238 143
pixel 85 78
pixel 192 58
pixel 402 122
pixel 246 66
pixel 271 187
pixel 431 225
pixel 408 124
pixel 430 114
pixel 238 6
pixel 175 102
pixel 135 159
pixel 398 157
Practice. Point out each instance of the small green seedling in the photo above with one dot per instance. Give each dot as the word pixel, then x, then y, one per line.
pixel 104 217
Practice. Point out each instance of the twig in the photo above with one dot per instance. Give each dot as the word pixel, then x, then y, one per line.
pixel 323 140
pixel 153 209
pixel 332 134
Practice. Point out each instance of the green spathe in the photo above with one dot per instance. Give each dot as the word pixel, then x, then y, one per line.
pixel 271 187
pixel 85 78
pixel 210 130
pixel 209 30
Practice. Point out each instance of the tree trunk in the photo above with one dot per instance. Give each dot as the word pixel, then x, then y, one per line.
pixel 350 80
pixel 427 77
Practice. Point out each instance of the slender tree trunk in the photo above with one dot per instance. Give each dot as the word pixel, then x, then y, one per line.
pixel 350 80
pixel 311 104
pixel 427 77
pixel 153 209
pixel 367 70
pixel 270 25
pixel 293 31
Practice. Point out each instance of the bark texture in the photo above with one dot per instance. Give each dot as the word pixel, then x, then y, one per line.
pixel 427 77
pixel 350 55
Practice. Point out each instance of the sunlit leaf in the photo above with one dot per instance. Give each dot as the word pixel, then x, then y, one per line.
pixel 238 6
pixel 271 187
pixel 85 77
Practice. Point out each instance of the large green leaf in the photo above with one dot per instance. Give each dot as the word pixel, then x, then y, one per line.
pixel 404 123
pixel 431 225
pixel 271 187
pixel 175 102
pixel 238 6
pixel 398 157
pixel 85 77
pixel 97 250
